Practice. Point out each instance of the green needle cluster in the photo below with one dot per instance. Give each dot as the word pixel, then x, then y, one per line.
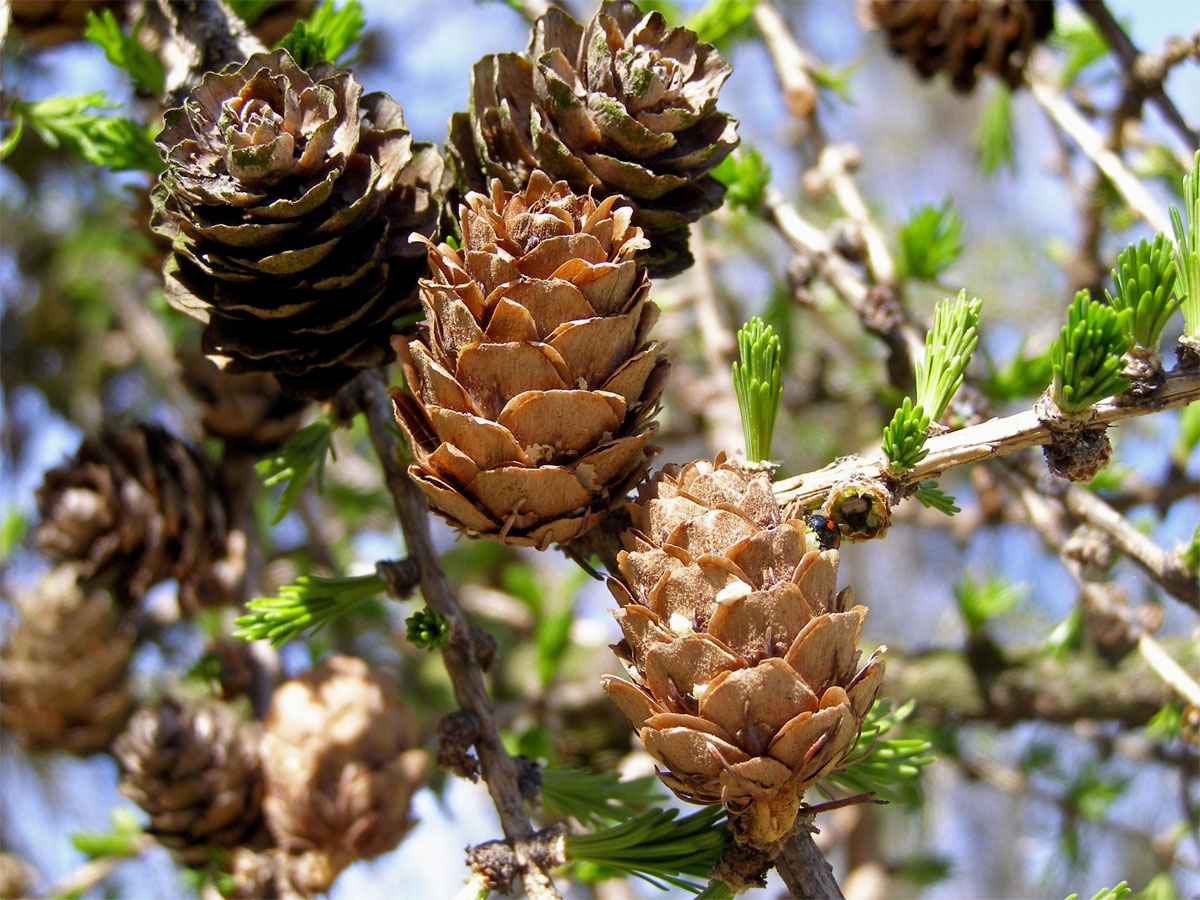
pixel 904 436
pixel 948 348
pixel 596 797
pixel 657 846
pixel 1187 250
pixel 427 628
pixel 1144 277
pixel 883 765
pixel 745 175
pixel 304 453
pixel 1086 357
pixel 327 35
pixel 308 605
pixel 758 383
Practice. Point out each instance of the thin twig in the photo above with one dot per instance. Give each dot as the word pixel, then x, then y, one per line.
pixel 498 768
pixel 836 163
pixel 1093 145
pixel 1130 58
pixel 804 869
pixel 793 65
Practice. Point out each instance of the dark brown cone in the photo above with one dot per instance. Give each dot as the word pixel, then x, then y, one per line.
pixel 250 413
pixel 340 771
pixel 622 106
pixel 530 391
pixel 195 772
pixel 63 668
pixel 963 39
pixel 742 655
pixel 290 199
pixel 133 508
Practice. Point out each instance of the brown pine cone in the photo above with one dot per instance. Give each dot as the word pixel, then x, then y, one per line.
pixel 63 668
pixel 531 389
pixel 744 684
pixel 340 770
pixel 290 201
pixel 250 412
pixel 195 771
pixel 964 38
pixel 623 106
pixel 134 508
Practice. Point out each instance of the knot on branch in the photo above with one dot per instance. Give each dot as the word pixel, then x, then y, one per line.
pixel 498 865
pixel 1077 451
pixel 860 507
pixel 457 733
pixel 400 575
pixel 742 867
pixel 483 647
pixel 882 312
pixel 529 778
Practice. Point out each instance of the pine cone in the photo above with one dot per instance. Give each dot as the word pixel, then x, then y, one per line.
pixel 624 106
pixel 290 203
pixel 740 652
pixel 134 508
pixel 964 39
pixel 63 667
pixel 339 769
pixel 196 774
pixel 250 413
pixel 533 383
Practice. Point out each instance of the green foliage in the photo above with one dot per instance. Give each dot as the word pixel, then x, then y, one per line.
pixel 125 51
pixel 109 141
pixel 904 436
pixel 716 890
pixel 745 175
pixel 1144 277
pixel 597 797
pixel 718 20
pixel 1189 433
pixel 1167 723
pixel 249 11
pixel 327 36
pixel 888 767
pixel 979 601
pixel 1090 793
pixel 1079 39
pixel 836 79
pixel 1066 637
pixel 657 846
pixel 923 870
pixel 1190 553
pixel 308 605
pixel 993 138
pixel 428 629
pixel 933 497
pixel 302 455
pixel 758 383
pixel 929 243
pixel 1086 358
pixel 124 838
pixel 553 613
pixel 1160 887
pixel 1118 892
pixel 1020 378
pixel 948 348
pixel 1187 249
pixel 13 529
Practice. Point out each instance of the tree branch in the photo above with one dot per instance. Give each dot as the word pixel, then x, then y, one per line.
pixel 1034 687
pixel 804 869
pixel 498 768
pixel 1135 69
pixel 1093 145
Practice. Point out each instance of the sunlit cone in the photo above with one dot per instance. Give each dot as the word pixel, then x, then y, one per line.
pixel 623 106
pixel 340 767
pixel 963 39
pixel 531 388
pixel 195 771
pixel 744 681
pixel 136 507
pixel 250 412
pixel 63 668
pixel 290 199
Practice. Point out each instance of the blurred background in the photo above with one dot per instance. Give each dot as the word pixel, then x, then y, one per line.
pixel 1024 809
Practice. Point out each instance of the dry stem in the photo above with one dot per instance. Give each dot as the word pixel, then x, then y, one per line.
pixel 497 767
